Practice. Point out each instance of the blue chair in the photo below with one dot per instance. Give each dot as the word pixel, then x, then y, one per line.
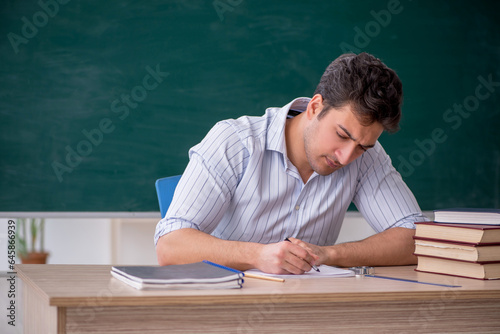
pixel 165 188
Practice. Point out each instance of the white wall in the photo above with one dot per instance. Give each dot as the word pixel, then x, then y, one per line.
pixel 78 241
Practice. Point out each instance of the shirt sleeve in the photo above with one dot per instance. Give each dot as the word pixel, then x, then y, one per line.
pixel 204 191
pixel 382 196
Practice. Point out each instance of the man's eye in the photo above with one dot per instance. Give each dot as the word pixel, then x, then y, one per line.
pixel 343 137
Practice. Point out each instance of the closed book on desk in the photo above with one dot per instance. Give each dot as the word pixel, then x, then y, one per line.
pixel 457 250
pixel 468 216
pixel 199 275
pixel 479 270
pixel 483 234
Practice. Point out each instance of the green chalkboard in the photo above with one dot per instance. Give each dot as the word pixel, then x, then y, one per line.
pixel 101 98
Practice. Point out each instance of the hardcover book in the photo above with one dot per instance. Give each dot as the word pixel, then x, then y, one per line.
pixel 468 216
pixel 479 270
pixel 482 234
pixel 457 250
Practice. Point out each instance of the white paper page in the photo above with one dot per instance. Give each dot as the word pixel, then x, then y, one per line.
pixel 325 271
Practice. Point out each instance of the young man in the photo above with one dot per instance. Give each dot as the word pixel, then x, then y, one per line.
pixel 254 181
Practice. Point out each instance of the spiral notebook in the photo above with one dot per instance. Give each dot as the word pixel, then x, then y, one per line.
pixel 199 275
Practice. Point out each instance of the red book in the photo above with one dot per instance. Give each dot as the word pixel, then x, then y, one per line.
pixel 457 250
pixel 470 233
pixel 468 269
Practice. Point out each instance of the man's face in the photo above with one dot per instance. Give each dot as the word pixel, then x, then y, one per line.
pixel 337 139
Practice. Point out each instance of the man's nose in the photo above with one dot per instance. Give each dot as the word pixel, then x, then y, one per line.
pixel 347 153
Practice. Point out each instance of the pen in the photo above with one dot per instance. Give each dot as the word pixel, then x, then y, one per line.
pixel 313 266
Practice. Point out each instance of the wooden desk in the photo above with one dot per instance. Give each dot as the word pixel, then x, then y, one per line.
pixel 85 298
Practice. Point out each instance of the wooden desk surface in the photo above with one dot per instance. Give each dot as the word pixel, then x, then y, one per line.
pixel 87 299
pixel 72 285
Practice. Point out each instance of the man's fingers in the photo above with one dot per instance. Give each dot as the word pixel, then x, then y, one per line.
pixel 299 259
pixel 312 256
pixel 285 258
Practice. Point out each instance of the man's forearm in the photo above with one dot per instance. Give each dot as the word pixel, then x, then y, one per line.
pixel 189 245
pixel 394 246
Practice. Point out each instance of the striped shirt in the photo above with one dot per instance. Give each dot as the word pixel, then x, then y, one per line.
pixel 240 185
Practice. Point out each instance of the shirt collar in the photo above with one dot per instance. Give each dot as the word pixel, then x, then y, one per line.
pixel 276 130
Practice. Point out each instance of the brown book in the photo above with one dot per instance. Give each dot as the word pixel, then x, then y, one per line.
pixel 457 250
pixel 481 234
pixel 479 270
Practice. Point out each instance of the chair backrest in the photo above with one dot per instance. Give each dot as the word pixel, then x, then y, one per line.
pixel 165 188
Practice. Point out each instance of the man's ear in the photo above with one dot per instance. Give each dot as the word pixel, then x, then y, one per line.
pixel 314 106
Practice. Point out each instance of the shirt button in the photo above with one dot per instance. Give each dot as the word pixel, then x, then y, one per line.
pixel 297 207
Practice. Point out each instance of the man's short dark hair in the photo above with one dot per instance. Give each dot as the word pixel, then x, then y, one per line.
pixel 373 90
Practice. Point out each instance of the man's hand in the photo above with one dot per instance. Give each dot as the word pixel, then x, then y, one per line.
pixel 285 258
pixel 394 246
pixel 317 251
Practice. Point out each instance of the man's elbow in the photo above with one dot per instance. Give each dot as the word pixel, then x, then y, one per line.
pixel 179 247
pixel 162 254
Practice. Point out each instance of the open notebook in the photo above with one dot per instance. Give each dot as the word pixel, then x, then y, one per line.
pixel 325 271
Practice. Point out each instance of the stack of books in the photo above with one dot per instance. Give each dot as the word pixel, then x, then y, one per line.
pixel 460 242
pixel 192 276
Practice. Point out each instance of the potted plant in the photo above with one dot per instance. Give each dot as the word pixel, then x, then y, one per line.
pixel 36 233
